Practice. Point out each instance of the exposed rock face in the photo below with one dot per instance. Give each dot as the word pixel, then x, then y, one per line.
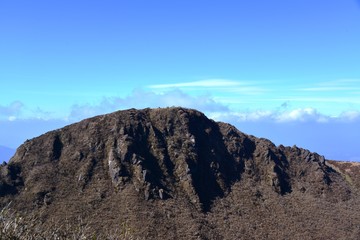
pixel 173 173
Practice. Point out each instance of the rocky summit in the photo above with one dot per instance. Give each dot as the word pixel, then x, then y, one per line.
pixel 172 173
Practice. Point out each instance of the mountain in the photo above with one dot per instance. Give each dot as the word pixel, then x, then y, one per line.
pixel 172 173
pixel 6 153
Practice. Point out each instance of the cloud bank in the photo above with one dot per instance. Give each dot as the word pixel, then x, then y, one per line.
pixel 207 104
pixel 334 136
pixel 143 99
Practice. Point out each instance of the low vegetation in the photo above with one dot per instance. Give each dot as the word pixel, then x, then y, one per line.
pixel 16 227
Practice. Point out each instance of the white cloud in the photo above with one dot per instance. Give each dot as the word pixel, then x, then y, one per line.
pixel 209 83
pixel 246 116
pixel 219 87
pixel 143 99
pixel 301 114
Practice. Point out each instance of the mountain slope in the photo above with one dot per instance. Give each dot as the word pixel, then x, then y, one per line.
pixel 173 173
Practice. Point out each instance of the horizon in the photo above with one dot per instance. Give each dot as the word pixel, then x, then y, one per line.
pixel 286 71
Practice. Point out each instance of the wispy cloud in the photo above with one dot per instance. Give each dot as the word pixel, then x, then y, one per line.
pixel 210 83
pixel 19 111
pixel 350 115
pixel 330 96
pixel 330 88
pixel 336 85
pixel 214 85
pixel 325 99
pixel 11 111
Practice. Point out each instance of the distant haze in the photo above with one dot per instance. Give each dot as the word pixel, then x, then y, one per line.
pixel 6 153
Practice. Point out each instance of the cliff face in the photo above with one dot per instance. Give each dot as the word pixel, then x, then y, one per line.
pixel 173 173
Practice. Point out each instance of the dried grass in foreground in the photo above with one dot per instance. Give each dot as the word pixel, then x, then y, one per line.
pixel 16 227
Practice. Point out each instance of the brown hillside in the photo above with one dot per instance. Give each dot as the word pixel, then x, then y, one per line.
pixel 349 170
pixel 175 174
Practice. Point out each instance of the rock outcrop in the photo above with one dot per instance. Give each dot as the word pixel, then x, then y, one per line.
pixel 175 174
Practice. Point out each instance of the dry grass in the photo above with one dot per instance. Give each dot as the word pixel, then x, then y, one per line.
pixel 349 170
pixel 16 227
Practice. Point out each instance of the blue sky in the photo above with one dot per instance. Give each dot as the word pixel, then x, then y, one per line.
pixel 285 70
